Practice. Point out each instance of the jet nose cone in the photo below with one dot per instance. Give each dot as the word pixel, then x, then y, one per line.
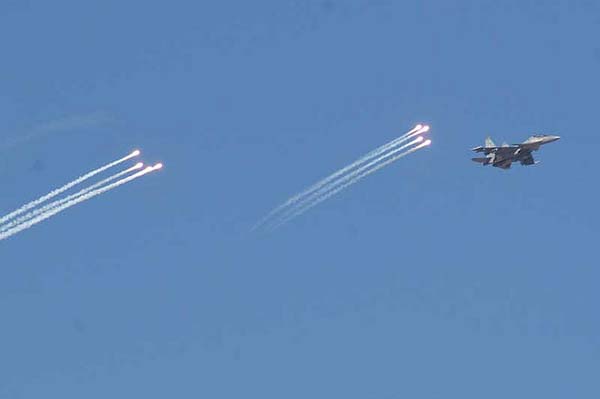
pixel 553 138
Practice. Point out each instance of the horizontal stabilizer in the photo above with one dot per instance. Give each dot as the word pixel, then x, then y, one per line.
pixel 484 161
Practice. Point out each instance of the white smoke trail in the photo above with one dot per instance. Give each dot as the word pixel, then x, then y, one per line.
pixel 312 197
pixel 82 121
pixel 32 222
pixel 418 129
pixel 302 209
pixel 64 188
pixel 54 204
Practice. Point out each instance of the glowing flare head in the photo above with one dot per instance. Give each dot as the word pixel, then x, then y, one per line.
pixel 139 165
pixel 425 129
pixel 427 142
pixel 157 166
pixel 419 139
pixel 418 127
pixel 135 153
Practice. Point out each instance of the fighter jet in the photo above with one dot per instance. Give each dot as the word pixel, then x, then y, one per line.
pixel 505 155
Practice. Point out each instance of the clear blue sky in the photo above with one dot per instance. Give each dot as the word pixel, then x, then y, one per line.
pixel 434 278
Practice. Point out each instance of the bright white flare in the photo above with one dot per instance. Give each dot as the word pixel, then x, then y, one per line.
pixel 32 222
pixel 66 187
pixel 320 184
pixel 322 194
pixel 45 208
pixel 301 210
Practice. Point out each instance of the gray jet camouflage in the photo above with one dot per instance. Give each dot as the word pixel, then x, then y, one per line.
pixel 503 156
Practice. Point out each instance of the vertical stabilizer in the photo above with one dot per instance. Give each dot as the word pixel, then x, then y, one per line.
pixel 489 142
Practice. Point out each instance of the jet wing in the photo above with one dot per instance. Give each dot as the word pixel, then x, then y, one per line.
pixel 508 149
pixel 505 164
pixel 497 150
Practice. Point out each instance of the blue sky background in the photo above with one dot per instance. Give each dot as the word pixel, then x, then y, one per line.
pixel 433 278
